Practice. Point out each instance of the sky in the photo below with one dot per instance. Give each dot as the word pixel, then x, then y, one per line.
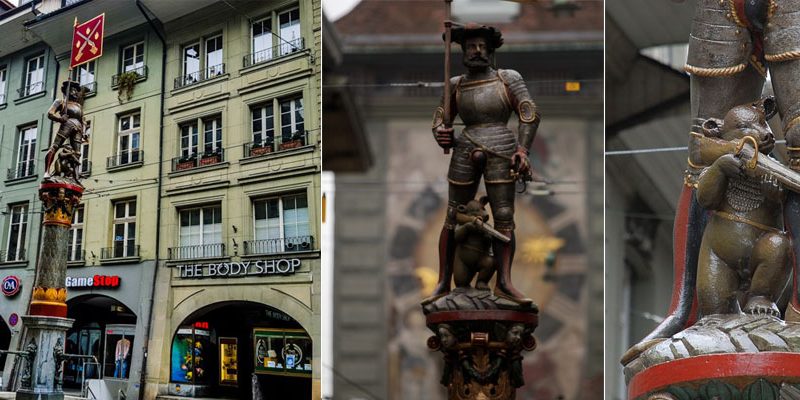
pixel 336 8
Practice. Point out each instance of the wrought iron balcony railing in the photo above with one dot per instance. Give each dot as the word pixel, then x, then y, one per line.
pixel 198 160
pixel 275 246
pixel 119 250
pixel 141 71
pixel 91 87
pixel 274 52
pixel 125 158
pixel 199 76
pixel 33 88
pixel 268 145
pixel 214 250
pixel 23 170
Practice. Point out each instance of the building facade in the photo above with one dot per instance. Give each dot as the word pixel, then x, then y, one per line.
pixel 198 233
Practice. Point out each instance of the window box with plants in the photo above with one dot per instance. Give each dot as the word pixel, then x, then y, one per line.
pixel 262 147
pixel 295 141
pixel 211 157
pixel 186 162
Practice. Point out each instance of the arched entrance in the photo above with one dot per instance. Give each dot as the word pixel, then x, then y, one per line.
pixel 103 328
pixel 221 349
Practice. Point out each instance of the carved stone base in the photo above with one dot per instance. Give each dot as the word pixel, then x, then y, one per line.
pixel 743 357
pixel 482 350
pixel 41 369
pixel 461 299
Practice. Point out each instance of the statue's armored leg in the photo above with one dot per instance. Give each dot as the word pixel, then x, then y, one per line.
pixel 459 194
pixel 501 199
pixel 771 272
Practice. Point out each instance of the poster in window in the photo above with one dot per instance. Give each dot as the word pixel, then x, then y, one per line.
pixel 282 352
pixel 189 356
pixel 228 361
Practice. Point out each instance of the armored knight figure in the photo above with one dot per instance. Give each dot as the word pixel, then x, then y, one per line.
pixel 484 98
pixel 65 150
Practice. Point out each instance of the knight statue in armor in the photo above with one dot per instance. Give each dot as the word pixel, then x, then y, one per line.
pixel 63 157
pixel 484 98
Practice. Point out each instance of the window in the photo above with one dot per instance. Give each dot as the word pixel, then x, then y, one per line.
pixel 263 126
pixel 262 40
pixel 84 74
pixel 17 232
pixel 212 136
pixel 281 224
pixel 290 30
pixel 265 43
pixel 128 139
pixel 3 85
pixel 124 229
pixel 75 244
pixel 34 76
pixel 197 68
pixel 26 153
pixel 85 168
pixel 188 140
pixel 292 127
pixel 200 233
pixel 208 146
pixel 133 58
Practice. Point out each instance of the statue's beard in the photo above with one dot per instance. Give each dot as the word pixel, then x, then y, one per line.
pixel 476 62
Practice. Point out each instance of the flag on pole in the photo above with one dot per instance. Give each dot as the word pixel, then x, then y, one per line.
pixel 87 41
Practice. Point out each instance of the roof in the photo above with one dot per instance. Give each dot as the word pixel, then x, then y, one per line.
pixel 535 22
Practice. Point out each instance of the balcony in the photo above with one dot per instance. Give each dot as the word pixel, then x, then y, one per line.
pixel 273 53
pixel 199 76
pixel 33 88
pixel 90 88
pixel 268 145
pixel 141 72
pixel 202 251
pixel 21 171
pixel 277 246
pixel 75 256
pixel 195 160
pixel 125 158
pixel 119 251
pixel 85 169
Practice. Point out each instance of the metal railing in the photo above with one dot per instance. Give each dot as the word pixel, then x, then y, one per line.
pixel 75 256
pixel 198 160
pixel 85 169
pixel 125 158
pixel 197 252
pixel 274 246
pixel 255 149
pixel 21 171
pixel 91 87
pixel 119 251
pixel 141 71
pixel 33 88
pixel 199 76
pixel 274 52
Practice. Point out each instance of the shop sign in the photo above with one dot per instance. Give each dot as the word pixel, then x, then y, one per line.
pixel 11 285
pixel 13 319
pixel 281 266
pixel 97 281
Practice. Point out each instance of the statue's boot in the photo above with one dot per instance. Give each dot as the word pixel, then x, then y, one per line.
pixel 503 257
pixel 447 250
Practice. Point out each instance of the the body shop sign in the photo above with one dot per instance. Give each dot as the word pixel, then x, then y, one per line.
pixel 93 282
pixel 283 266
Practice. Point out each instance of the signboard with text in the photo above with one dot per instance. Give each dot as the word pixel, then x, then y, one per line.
pixel 240 269
pixel 11 285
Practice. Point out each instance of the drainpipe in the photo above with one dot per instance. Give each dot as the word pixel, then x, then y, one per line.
pixel 158 196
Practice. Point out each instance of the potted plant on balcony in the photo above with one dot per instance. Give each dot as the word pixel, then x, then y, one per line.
pixel 211 157
pixel 294 142
pixel 186 162
pixel 262 147
pixel 125 83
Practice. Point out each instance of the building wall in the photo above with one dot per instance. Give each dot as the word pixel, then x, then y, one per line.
pixel 240 178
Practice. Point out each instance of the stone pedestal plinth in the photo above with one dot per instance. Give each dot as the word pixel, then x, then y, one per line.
pixel 721 357
pixel 41 368
pixel 481 338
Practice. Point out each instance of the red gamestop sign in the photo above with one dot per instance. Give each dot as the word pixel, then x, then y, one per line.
pixel 97 281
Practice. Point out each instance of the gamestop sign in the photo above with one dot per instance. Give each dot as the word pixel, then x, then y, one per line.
pixel 97 281
pixel 283 266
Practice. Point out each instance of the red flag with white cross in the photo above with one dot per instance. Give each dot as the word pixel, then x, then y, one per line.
pixel 87 41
